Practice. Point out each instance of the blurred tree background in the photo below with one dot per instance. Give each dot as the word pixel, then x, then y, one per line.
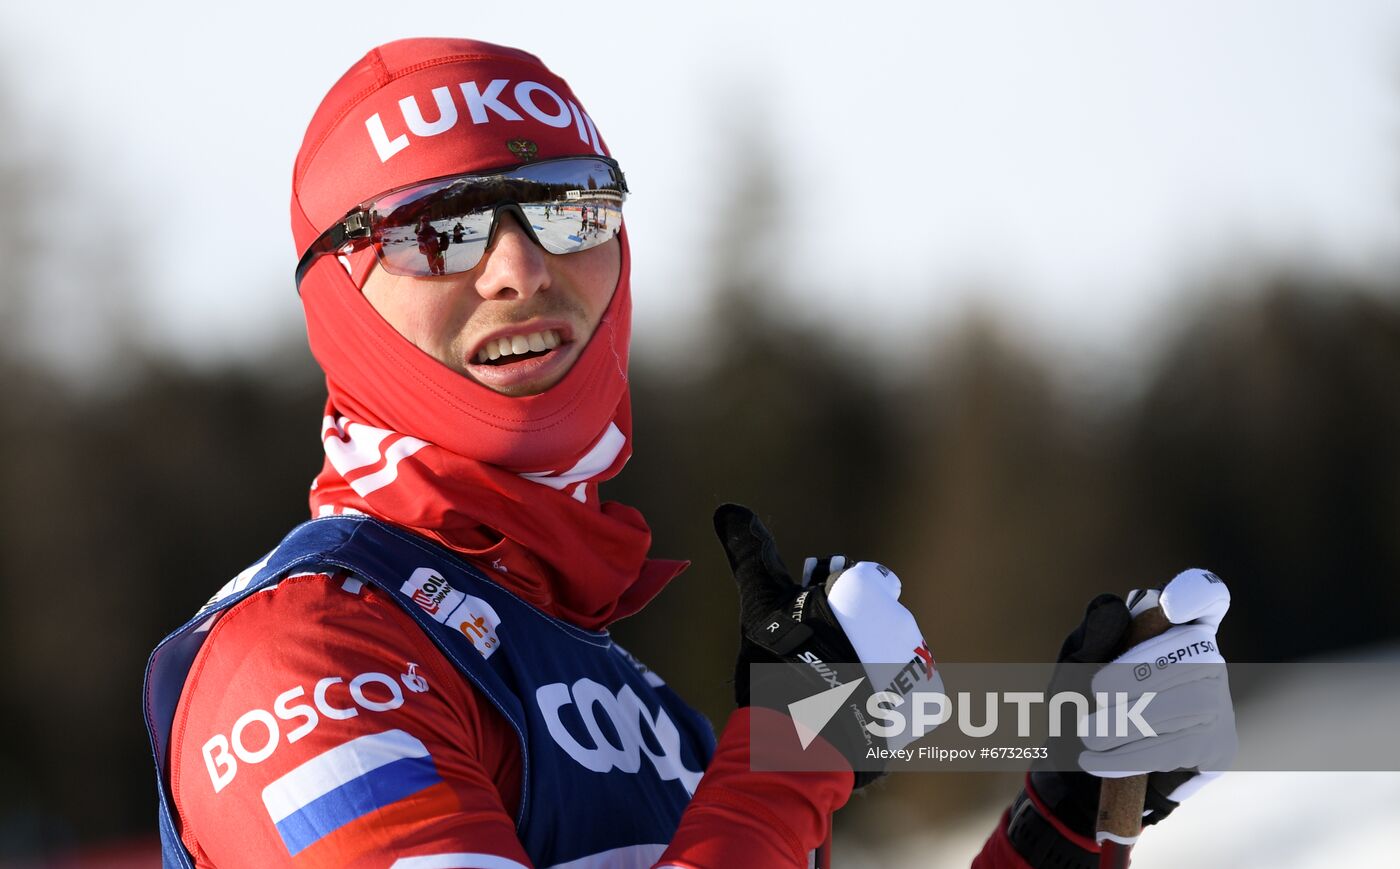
pixel 1260 439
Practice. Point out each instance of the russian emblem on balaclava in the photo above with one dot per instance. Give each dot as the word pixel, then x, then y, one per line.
pixel 522 148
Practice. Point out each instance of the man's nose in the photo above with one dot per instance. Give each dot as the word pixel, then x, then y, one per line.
pixel 514 266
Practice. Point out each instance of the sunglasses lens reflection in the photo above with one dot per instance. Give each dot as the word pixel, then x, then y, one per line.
pixel 444 227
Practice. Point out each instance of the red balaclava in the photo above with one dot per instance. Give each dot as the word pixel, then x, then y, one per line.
pixel 512 483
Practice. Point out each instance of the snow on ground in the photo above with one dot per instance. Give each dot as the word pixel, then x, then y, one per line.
pixel 1294 820
pixel 1245 820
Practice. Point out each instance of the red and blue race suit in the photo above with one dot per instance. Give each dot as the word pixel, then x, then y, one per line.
pixel 362 697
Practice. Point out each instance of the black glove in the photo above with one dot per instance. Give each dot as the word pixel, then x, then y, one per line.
pixel 783 622
pixel 1074 796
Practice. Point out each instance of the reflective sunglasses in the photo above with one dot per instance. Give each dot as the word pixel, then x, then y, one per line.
pixel 444 226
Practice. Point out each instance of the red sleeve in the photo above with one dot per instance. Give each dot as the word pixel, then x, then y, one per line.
pixel 346 742
pixel 744 817
pixel 997 853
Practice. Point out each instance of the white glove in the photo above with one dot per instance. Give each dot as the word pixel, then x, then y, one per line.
pixel 1192 713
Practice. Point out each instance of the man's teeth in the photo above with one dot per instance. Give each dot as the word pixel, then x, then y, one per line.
pixel 516 344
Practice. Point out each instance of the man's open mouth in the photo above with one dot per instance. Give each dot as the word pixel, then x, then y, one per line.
pixel 515 348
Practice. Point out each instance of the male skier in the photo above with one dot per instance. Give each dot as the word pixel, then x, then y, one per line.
pixel 421 676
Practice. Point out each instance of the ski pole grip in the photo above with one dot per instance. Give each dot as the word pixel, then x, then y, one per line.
pixel 1121 799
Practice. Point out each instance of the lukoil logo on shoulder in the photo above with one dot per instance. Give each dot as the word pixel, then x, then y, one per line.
pixel 473 617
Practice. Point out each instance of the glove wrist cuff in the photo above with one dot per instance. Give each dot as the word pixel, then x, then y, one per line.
pixel 1042 841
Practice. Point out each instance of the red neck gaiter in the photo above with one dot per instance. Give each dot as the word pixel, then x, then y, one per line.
pixel 512 483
